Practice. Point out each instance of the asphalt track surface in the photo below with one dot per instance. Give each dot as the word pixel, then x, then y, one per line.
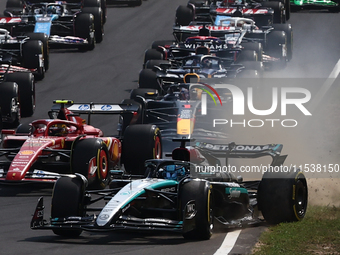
pixel 107 74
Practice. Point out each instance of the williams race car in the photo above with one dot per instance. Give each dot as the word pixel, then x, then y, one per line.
pixel 46 149
pixel 180 196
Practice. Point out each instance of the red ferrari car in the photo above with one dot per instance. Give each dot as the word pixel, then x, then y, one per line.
pixel 64 144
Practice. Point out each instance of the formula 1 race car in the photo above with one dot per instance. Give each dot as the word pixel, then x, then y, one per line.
pixel 65 24
pixel 178 195
pixel 237 34
pixel 17 94
pixel 193 68
pixel 160 74
pixel 264 13
pixel 179 113
pixel 25 51
pixel 46 149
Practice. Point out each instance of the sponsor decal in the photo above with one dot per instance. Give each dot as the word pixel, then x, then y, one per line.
pixel 104 216
pixel 26 152
pixel 106 107
pixel 84 107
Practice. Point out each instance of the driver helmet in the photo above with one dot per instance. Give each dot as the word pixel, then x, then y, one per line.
pixel 52 9
pixel 184 94
pixel 57 130
pixel 173 172
pixel 207 63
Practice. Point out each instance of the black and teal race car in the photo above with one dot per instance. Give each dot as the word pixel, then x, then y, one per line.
pixel 185 194
pixel 331 5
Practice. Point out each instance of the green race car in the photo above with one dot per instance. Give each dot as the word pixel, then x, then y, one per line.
pixel 331 5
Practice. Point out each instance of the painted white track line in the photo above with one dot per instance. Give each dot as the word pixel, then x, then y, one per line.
pixel 228 243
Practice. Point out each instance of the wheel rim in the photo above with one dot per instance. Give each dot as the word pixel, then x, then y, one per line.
pixel 102 165
pixel 158 149
pixel 300 205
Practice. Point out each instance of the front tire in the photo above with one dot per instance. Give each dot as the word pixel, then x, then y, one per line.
pixel 201 226
pixel 68 200
pixel 283 197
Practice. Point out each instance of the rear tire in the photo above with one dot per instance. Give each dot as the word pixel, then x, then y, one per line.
pixel 89 154
pixel 9 103
pixel 148 80
pixel 276 46
pixel 152 54
pixel 84 28
pixel 140 142
pixel 184 15
pixel 26 86
pixel 278 8
pixel 46 51
pixel 33 54
pixel 283 197
pixel 98 22
pixel 68 200
pixel 287 28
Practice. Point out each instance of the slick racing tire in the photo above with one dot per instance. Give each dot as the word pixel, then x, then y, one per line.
pixel 276 46
pixel 287 28
pixel 247 55
pixel 98 22
pixel 84 28
pixel 278 8
pixel 9 104
pixel 140 142
pixel 130 119
pixel 97 3
pixel 89 157
pixel 26 87
pixel 254 46
pixel 283 197
pixel 161 43
pixel 68 200
pixel 286 4
pixel 148 80
pixel 201 226
pixel 33 54
pixel 152 63
pixel 46 52
pixel 253 65
pixel 152 54
pixel 144 93
pixel 184 15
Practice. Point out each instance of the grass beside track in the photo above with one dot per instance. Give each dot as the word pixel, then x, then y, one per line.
pixel 317 233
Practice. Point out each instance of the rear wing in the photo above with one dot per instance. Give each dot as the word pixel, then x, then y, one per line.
pixel 232 150
pixel 69 109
